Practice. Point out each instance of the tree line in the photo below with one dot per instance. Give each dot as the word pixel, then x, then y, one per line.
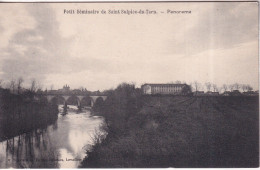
pixel 196 86
pixel 20 112
pixel 16 86
pixel 208 86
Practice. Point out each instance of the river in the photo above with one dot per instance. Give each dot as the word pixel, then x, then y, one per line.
pixel 61 145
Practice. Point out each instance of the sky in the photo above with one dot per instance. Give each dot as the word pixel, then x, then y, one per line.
pixel 217 42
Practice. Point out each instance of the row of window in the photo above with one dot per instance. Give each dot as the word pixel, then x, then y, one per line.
pixel 166 89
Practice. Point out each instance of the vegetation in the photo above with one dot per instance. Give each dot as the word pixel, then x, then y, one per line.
pixel 175 131
pixel 21 113
pixel 208 86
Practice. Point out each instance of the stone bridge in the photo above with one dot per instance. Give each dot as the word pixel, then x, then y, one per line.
pixel 93 98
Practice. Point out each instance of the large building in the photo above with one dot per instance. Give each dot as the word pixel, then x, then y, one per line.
pixel 65 88
pixel 174 89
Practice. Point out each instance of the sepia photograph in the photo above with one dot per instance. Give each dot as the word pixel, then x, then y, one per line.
pixel 129 85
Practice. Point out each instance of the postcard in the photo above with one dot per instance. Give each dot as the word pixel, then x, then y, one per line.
pixel 129 85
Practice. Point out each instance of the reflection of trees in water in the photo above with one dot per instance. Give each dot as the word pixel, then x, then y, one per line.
pixel 32 150
pixel 24 117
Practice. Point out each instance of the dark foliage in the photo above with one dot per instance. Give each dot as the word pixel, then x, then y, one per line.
pixel 176 131
pixel 21 114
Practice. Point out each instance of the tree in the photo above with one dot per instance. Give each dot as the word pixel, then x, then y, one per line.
pixel 19 85
pixel 52 87
pixel 197 85
pixel 33 85
pixel 12 86
pixel 237 86
pixel 248 87
pixel 215 88
pixel 1 82
pixel 225 87
pixel 208 86
pixel 38 86
pixel 81 88
pixel 244 87
pixel 186 89
pixel 231 87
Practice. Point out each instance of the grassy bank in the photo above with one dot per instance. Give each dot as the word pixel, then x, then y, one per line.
pixel 176 131
pixel 21 114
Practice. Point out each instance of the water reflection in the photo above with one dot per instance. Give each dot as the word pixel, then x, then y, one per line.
pixel 58 146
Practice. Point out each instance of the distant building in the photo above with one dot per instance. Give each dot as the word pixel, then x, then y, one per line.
pixel 66 88
pixel 174 89
pixel 210 93
pixel 199 93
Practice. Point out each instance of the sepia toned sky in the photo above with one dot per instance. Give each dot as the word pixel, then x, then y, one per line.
pixel 216 42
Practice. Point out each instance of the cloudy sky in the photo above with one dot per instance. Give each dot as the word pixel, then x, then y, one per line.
pixel 217 42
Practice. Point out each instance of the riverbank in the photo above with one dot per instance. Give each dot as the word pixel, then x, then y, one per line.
pixel 175 131
pixel 60 145
pixel 20 114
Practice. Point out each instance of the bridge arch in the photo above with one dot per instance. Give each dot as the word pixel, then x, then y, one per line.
pixel 58 100
pixel 72 100
pixel 86 101
pixel 99 101
pixel 76 99
pixel 98 98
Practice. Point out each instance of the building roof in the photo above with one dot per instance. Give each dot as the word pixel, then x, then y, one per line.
pixel 165 85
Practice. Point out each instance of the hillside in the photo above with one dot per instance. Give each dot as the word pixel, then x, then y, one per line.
pixel 178 131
